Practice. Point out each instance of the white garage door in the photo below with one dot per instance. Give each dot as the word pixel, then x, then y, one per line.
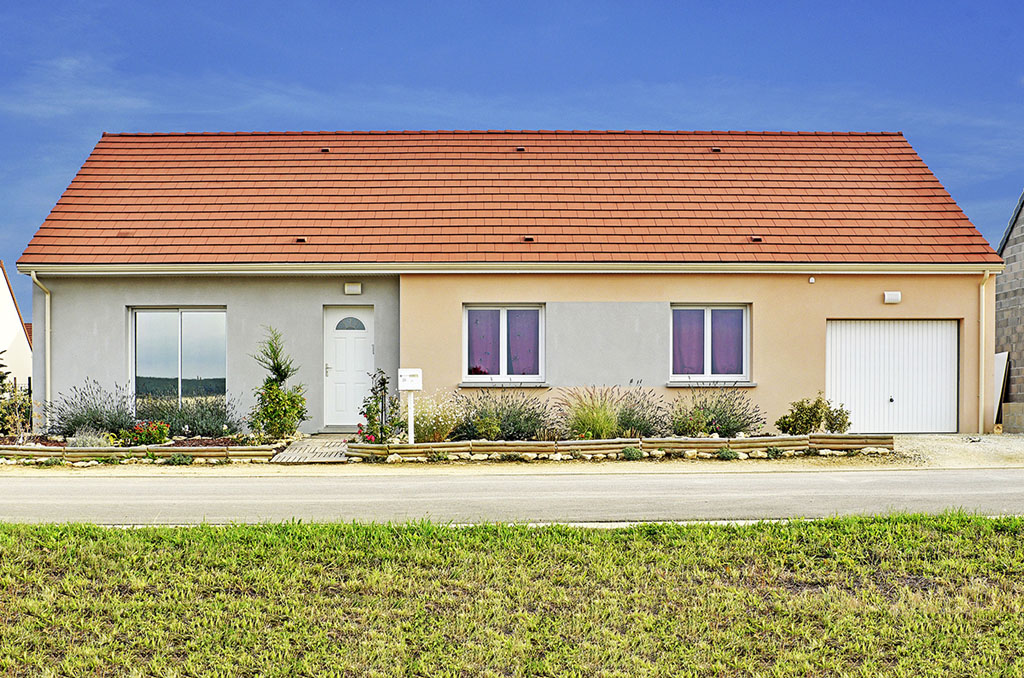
pixel 895 376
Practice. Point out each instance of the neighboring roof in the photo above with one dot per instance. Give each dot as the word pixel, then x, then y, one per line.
pixel 597 196
pixel 1009 226
pixel 10 291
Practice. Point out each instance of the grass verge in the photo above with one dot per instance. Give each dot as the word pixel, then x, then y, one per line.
pixel 902 596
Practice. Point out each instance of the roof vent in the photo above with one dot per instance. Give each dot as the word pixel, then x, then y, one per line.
pixel 325 150
pixel 527 238
pixel 716 149
pixel 520 149
pixel 756 238
pixel 301 238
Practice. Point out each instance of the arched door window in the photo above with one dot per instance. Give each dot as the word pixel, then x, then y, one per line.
pixel 350 323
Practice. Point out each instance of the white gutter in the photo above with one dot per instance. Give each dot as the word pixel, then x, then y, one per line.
pixel 46 341
pixel 981 351
pixel 332 268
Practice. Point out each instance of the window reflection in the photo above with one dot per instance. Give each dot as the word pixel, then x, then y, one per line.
pixel 194 341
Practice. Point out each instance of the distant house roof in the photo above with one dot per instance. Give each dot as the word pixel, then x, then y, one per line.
pixel 27 327
pixel 506 196
pixel 1009 227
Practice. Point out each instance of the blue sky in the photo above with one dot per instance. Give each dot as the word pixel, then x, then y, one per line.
pixel 949 75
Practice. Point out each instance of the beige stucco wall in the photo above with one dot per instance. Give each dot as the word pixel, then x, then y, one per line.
pixel 788 316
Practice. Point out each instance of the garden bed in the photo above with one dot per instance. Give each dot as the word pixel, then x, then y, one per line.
pixel 138 454
pixel 762 447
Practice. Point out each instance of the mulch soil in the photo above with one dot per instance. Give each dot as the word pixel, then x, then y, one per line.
pixel 33 440
pixel 205 442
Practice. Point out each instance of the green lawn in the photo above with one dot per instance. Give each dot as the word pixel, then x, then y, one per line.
pixel 906 596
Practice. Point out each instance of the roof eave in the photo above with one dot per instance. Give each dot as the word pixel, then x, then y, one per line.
pixel 504 267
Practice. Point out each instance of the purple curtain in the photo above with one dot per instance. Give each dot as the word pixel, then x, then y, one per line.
pixel 688 341
pixel 484 338
pixel 524 341
pixel 727 341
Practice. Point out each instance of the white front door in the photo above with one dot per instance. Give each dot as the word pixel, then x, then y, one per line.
pixel 348 360
pixel 895 376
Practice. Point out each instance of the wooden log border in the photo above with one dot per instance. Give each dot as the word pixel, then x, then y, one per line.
pixel 671 446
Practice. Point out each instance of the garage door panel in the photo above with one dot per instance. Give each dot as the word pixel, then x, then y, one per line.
pixel 894 375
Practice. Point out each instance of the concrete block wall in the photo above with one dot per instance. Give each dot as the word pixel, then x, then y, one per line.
pixel 1010 311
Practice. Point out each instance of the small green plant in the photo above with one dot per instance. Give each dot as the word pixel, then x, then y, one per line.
pixel 725 411
pixel 506 415
pixel 52 461
pixel 437 416
pixel 726 454
pixel 438 456
pixel 90 406
pixel 807 416
pixel 642 413
pixel 109 461
pixel 206 416
pixel 511 456
pixel 590 413
pixel 632 454
pixel 91 438
pixel 773 452
pixel 381 411
pixel 278 410
pixel 178 459
pixel 144 433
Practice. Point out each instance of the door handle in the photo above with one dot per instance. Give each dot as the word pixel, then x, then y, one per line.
pixel 327 369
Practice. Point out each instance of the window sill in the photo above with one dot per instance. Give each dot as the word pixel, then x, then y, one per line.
pixel 711 384
pixel 504 384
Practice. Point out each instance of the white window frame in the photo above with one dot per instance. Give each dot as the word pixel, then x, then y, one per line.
pixel 178 310
pixel 503 343
pixel 707 377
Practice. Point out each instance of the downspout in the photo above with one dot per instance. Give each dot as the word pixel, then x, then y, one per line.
pixel 981 351
pixel 46 342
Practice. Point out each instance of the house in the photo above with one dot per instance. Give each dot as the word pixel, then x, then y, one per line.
pixel 1010 318
pixel 781 263
pixel 15 337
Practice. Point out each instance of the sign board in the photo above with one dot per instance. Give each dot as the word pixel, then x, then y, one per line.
pixel 410 379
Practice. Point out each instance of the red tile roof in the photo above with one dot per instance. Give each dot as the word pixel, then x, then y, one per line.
pixel 472 196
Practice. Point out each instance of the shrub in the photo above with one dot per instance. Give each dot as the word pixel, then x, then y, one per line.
pixel 437 416
pixel 642 413
pixel 90 438
pixel 773 452
pixel 206 416
pixel 144 433
pixel 178 459
pixel 502 415
pixel 382 412
pixel 590 413
pixel 90 407
pixel 726 454
pixel 725 411
pixel 688 422
pixel 278 410
pixel 15 409
pixel 808 416
pixel 632 454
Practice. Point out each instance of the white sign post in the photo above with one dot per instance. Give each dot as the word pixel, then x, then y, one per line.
pixel 411 380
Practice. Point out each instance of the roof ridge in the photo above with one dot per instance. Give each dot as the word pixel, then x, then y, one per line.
pixel 503 131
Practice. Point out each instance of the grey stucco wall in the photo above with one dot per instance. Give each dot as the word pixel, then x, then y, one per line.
pixel 1010 309
pixel 91 320
pixel 629 340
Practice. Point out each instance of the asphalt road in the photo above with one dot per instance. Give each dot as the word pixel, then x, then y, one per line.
pixel 519 497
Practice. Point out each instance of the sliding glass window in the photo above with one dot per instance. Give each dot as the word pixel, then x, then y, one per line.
pixel 180 353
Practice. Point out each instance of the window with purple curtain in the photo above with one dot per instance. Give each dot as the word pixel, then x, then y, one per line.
pixel 727 341
pixel 523 341
pixel 484 339
pixel 687 341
